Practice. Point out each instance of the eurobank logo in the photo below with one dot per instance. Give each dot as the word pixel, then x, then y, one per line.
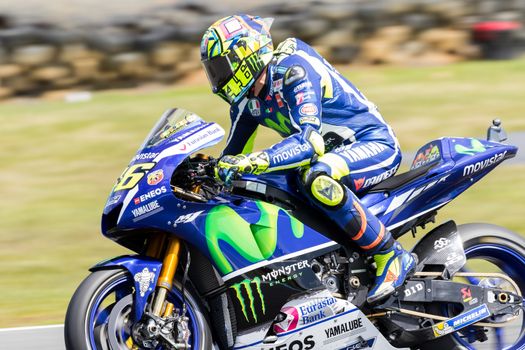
pixel 250 297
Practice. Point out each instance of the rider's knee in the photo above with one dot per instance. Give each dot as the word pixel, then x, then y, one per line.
pixel 324 189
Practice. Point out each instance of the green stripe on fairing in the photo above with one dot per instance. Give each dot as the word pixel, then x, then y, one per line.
pixel 254 242
pixel 477 147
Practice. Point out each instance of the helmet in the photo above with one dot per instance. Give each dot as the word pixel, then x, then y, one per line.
pixel 234 51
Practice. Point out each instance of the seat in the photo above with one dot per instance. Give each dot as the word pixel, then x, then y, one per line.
pixel 401 179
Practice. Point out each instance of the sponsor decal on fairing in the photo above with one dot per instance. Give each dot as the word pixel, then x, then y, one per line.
pixel 461 321
pixel 155 177
pixel 150 195
pixel 199 139
pixel 145 278
pixel 414 289
pixel 426 156
pixel 290 321
pixel 247 292
pixel 305 344
pixel 113 200
pixel 476 167
pixel 344 330
pixel 186 218
pixel 361 344
pixel 285 273
pixel 144 156
pixel 146 210
pixel 316 310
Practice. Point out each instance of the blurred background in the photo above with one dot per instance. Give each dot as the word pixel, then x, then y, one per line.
pixel 82 82
pixel 95 44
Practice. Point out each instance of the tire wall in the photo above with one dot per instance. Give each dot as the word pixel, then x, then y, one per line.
pixel 40 50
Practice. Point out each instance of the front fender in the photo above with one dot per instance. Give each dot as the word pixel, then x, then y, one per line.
pixel 441 250
pixel 145 272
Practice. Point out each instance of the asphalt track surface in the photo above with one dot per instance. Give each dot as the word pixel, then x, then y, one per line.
pixel 32 338
pixel 51 337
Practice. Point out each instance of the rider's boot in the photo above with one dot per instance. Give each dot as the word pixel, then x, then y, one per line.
pixel 394 264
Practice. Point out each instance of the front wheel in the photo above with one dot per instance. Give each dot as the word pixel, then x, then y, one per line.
pixel 99 316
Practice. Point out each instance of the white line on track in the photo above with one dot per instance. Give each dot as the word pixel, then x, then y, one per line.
pixel 35 328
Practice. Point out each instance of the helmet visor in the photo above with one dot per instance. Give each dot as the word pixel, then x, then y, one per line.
pixel 220 69
pixel 230 76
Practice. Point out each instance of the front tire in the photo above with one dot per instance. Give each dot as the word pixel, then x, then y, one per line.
pixel 99 315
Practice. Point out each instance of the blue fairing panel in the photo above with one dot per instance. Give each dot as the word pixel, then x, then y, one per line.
pixel 145 272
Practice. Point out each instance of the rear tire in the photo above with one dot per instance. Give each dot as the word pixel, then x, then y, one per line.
pixel 491 243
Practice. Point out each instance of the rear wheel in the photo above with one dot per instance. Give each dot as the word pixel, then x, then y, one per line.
pixel 99 316
pixel 492 249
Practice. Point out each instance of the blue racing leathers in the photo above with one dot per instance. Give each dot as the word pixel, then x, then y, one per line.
pixel 304 97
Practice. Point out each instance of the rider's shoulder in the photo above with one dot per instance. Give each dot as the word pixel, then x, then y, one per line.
pixel 288 61
pixel 287 47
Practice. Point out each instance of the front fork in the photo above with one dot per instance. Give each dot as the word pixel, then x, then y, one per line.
pixel 167 273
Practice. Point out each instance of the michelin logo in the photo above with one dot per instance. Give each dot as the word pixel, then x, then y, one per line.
pixel 462 320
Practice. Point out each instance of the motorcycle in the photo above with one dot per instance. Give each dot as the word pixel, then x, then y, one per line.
pixel 254 266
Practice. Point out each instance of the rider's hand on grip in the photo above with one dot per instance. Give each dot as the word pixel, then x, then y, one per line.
pixel 231 167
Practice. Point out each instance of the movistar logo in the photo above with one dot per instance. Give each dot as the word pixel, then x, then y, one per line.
pixel 283 125
pixel 247 292
pixel 253 241
pixel 477 147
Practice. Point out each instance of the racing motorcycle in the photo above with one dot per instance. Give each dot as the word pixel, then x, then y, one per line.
pixel 253 266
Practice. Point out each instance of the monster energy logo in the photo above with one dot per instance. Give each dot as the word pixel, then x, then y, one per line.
pixel 247 286
pixel 254 62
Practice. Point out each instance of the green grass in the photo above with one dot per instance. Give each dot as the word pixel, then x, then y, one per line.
pixel 59 161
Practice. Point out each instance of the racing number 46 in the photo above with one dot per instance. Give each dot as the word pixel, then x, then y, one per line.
pixel 132 175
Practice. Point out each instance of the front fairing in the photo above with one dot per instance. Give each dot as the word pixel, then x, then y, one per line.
pixel 232 231
pixel 143 189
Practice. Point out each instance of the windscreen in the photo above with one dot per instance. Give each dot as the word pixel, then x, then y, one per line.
pixel 171 122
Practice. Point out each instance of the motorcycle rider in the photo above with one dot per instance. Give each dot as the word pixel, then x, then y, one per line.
pixel 330 130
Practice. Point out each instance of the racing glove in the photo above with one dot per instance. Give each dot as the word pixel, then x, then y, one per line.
pixel 229 167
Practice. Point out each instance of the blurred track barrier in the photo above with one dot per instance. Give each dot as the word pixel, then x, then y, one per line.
pixel 44 46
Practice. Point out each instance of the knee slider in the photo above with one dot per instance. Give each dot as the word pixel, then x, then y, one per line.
pixel 326 189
